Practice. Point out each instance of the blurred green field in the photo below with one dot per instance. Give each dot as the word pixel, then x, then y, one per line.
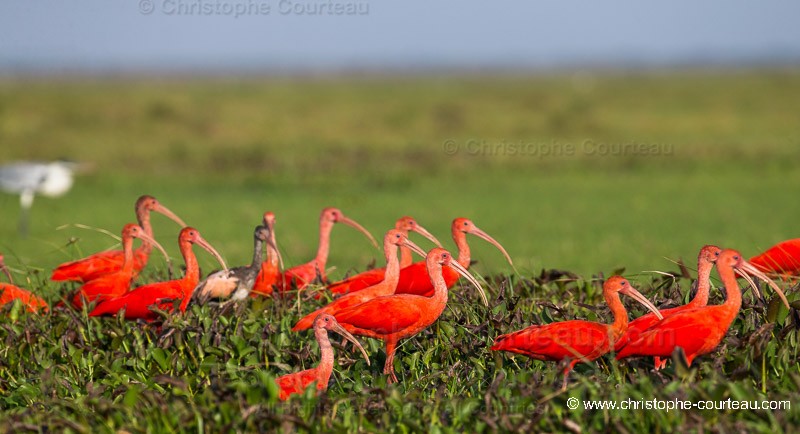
pixel 219 152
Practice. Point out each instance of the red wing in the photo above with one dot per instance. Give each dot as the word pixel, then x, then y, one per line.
pixel 644 322
pixel 783 257
pixel 414 279
pixel 137 302
pixel 90 267
pixel 295 383
pixel 358 282
pixel 557 341
pixel 267 277
pixel 688 331
pixel 107 286
pixel 299 276
pixel 383 315
pixel 340 304
pixel 9 293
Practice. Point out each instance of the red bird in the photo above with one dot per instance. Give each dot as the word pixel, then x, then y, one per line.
pixel 782 258
pixel 94 266
pixel 298 382
pixel 10 292
pixel 705 262
pixel 303 275
pixel 374 276
pixel 576 341
pixel 394 317
pixel 697 331
pixel 137 303
pixel 270 274
pixel 116 283
pixel 394 238
pixel 414 278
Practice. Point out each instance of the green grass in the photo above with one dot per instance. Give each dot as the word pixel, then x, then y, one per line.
pixel 220 152
pixel 206 371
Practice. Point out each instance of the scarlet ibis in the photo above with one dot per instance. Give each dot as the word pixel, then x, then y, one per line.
pixel 10 292
pixel 705 262
pixel 303 275
pixel 577 340
pixel 137 303
pixel 697 331
pixel 270 273
pixel 414 278
pixel 28 178
pixel 394 238
pixel 116 283
pixel 298 382
pixel 782 258
pixel 92 267
pixel 235 282
pixel 372 277
pixel 394 317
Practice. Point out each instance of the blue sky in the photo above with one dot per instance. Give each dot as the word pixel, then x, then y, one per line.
pixel 197 35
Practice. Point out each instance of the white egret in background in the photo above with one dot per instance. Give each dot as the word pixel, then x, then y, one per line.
pixel 29 178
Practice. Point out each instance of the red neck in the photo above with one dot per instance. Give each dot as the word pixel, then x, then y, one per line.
pixel 620 324
pixel 734 300
pixel 127 249
pixel 703 283
pixel 325 227
pixel 325 367
pixel 144 221
pixel 460 238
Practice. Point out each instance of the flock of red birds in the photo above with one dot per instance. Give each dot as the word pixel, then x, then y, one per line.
pixel 405 298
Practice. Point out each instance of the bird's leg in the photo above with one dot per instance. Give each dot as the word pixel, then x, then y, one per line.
pixel 566 374
pixel 659 363
pixel 388 367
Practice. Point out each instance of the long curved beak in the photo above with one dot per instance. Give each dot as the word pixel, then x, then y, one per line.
pixel 274 248
pixel 636 295
pixel 750 282
pixel 481 234
pixel 144 237
pixel 353 223
pixel 753 271
pixel 273 243
pixel 204 244
pixel 410 244
pixel 463 271
pixel 164 210
pixel 424 232
pixel 339 329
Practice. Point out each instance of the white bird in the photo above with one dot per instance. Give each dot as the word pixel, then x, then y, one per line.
pixel 28 178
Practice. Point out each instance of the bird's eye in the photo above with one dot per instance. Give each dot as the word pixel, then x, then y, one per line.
pixel 716 253
pixel 736 258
